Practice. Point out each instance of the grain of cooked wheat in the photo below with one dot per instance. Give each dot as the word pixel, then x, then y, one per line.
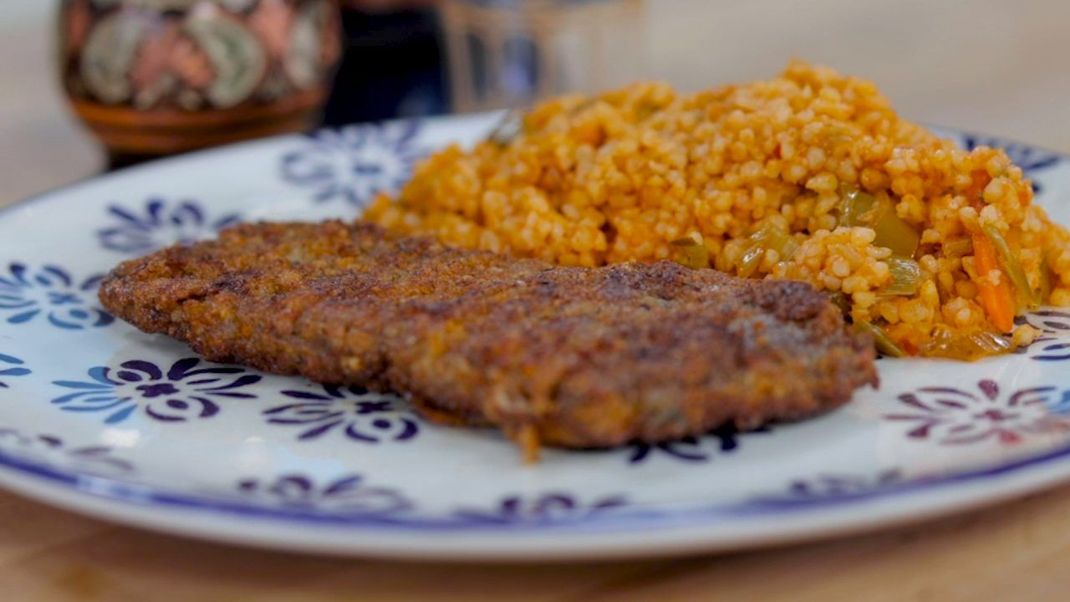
pixel 618 176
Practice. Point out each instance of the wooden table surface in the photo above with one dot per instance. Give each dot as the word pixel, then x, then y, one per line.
pixel 985 65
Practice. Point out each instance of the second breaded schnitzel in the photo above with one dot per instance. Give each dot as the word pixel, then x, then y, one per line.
pixel 574 357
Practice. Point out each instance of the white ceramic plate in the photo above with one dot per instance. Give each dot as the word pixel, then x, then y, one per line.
pixel 99 418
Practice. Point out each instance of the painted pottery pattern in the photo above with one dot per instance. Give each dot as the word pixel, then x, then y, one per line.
pixel 195 55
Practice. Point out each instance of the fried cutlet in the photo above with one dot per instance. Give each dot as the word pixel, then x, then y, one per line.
pixel 564 356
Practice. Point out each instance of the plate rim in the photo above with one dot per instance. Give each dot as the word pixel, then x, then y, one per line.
pixel 674 537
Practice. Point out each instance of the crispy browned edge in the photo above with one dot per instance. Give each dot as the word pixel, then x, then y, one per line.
pixel 477 351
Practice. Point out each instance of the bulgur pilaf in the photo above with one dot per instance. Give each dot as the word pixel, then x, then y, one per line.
pixel 809 176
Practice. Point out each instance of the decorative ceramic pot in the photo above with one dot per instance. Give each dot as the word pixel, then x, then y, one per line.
pixel 155 77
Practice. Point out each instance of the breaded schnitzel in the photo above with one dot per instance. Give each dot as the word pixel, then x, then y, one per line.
pixel 573 357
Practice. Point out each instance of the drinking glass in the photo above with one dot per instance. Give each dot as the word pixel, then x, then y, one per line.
pixel 508 53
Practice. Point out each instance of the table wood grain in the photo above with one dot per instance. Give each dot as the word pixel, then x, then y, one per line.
pixel 985 65
pixel 1016 551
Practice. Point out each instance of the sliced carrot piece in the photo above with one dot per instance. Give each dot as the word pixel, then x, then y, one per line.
pixel 997 300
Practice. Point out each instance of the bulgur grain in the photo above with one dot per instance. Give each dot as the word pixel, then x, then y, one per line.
pixel 619 176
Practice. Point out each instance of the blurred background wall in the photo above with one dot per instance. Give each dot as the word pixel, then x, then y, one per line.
pixel 32 111
pixel 993 66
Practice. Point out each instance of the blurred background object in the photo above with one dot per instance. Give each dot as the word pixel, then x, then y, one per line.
pixel 506 53
pixel 157 77
pixel 413 58
pixel 392 64
pixel 984 65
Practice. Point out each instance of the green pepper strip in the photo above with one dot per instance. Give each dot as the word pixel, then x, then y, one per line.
pixel 906 276
pixel 691 253
pixel 881 339
pixel 1023 293
pixel 765 239
pixel 861 209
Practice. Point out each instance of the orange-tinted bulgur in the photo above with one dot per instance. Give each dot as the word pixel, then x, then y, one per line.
pixel 620 176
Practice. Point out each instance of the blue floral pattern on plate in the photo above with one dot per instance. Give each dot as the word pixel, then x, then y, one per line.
pixel 159 224
pixel 182 393
pixel 822 488
pixel 349 494
pixel 50 293
pixel 547 507
pixel 354 163
pixel 360 415
pixel 956 416
pixel 11 366
pixel 52 450
pixel 724 439
pixel 1053 344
